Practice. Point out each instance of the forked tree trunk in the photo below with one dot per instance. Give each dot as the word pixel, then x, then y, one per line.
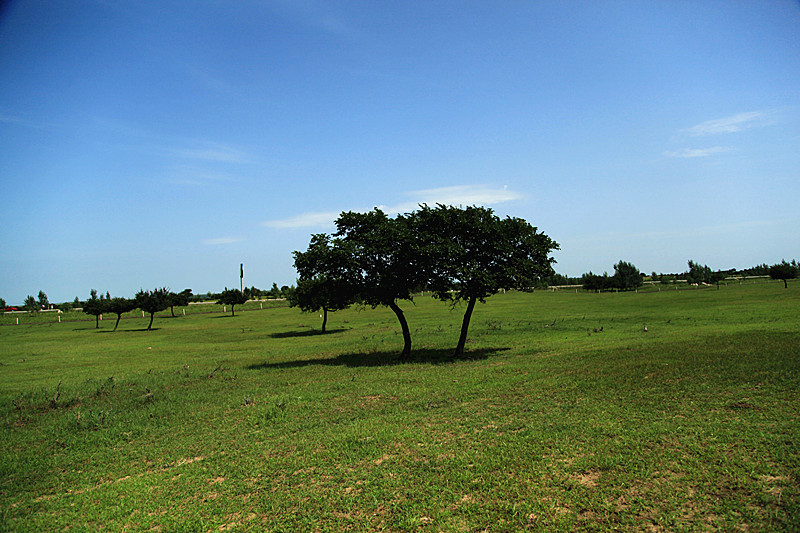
pixel 117 322
pixel 462 340
pixel 324 318
pixel 406 353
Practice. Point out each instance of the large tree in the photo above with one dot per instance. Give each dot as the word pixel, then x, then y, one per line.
pixel 232 297
pixel 385 262
pixel 152 302
pixel 119 306
pixel 322 284
pixel 469 254
pixel 783 271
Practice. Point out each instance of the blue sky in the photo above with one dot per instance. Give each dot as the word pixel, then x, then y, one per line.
pixel 162 143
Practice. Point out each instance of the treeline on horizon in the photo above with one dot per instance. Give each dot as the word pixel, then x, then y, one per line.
pixel 589 281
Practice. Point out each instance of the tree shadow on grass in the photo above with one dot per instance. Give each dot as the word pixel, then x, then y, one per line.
pixel 351 360
pixel 304 333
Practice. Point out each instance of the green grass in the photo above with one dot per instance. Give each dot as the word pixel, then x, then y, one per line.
pixel 258 423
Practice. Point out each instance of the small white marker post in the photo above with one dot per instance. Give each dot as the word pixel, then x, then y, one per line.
pixel 184 312
pixel 59 319
pixel 262 306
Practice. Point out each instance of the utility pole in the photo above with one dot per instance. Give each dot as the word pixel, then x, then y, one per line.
pixel 241 277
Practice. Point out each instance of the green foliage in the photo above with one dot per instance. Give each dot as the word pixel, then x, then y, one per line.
pixel 595 282
pixel 179 299
pixel 95 306
pixel 784 271
pixel 44 303
pixel 119 306
pixel 152 302
pixel 626 277
pixel 30 304
pixel 469 254
pixel 322 284
pixel 232 297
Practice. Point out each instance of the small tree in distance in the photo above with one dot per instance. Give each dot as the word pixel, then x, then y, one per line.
pixel 783 271
pixel 232 297
pixel 44 303
pixel 321 284
pixel 152 302
pixel 30 304
pixel 626 276
pixel 95 306
pixel 179 299
pixel 119 306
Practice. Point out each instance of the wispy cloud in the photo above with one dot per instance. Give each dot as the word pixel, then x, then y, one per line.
pixel 730 124
pixel 214 152
pixel 305 220
pixel 222 240
pixel 455 196
pixel 696 152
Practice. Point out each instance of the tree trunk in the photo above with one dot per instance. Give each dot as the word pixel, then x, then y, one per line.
pixel 462 340
pixel 96 321
pixel 150 325
pixel 233 313
pixel 324 318
pixel 117 322
pixel 785 285
pixel 172 310
pixel 406 353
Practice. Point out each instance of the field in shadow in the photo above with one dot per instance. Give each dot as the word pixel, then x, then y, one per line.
pixel 386 358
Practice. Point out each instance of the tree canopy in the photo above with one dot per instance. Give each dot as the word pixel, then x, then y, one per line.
pixel 459 254
pixel 152 302
pixel 119 306
pixel 232 297
pixel 95 306
pixel 783 271
pixel 322 284
pixel 469 254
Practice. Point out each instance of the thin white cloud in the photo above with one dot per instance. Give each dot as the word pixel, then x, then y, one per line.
pixel 305 220
pixel 222 240
pixel 696 152
pixel 456 196
pixel 730 124
pixel 467 195
pixel 218 153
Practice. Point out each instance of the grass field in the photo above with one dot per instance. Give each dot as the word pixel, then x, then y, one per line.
pixel 564 415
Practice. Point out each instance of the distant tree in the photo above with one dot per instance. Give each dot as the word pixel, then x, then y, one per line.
pixel 119 306
pixel 65 307
pixel 76 302
pixel 322 283
pixel 2 306
pixel 232 297
pixel 44 303
pixel 31 305
pixel 152 302
pixel 179 299
pixel 783 271
pixel 626 276
pixel 469 254
pixel 698 273
pixel 95 306
pixel 595 282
